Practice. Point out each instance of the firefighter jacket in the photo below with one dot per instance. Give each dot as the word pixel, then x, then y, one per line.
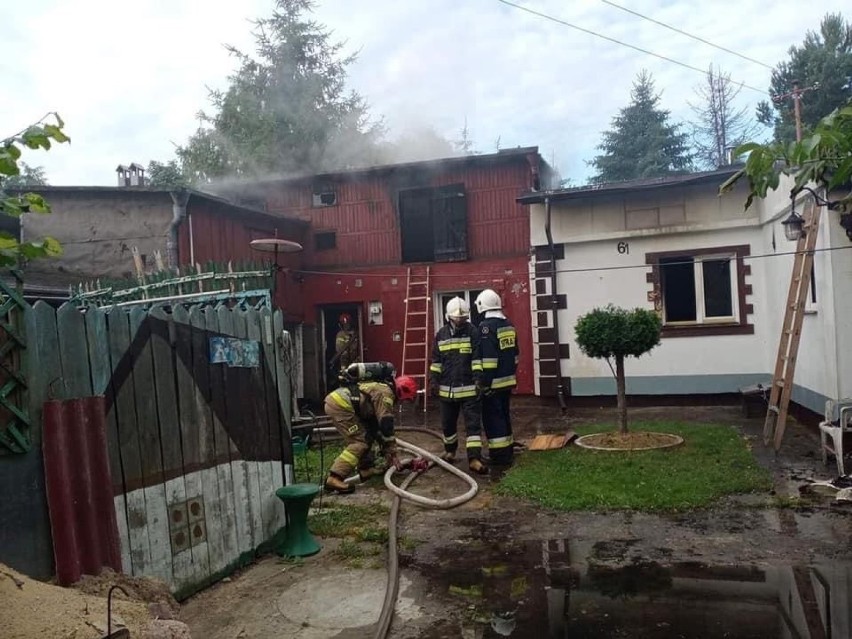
pixel 372 405
pixel 345 347
pixel 499 348
pixel 456 362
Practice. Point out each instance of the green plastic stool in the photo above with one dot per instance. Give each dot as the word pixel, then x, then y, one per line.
pixel 298 541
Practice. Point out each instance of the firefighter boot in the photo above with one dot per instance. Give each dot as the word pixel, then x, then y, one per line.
pixel 335 484
pixel 366 473
pixel 476 466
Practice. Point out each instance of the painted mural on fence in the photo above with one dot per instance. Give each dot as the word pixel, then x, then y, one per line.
pixel 239 353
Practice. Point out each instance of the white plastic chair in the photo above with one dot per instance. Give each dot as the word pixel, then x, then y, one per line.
pixel 829 429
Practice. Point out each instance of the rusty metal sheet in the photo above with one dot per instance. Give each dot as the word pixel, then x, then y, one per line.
pixel 79 488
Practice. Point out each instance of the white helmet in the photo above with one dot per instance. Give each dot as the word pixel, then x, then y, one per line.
pixel 488 300
pixel 458 309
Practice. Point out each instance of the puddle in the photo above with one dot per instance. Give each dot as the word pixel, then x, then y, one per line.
pixel 565 588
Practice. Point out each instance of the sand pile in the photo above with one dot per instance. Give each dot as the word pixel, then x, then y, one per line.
pixel 32 608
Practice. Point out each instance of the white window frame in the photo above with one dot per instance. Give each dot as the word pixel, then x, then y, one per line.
pixel 701 318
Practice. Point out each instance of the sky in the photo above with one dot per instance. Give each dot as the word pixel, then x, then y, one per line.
pixel 129 79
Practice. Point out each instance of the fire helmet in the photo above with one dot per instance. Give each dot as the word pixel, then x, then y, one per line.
pixel 457 309
pixel 406 388
pixel 488 300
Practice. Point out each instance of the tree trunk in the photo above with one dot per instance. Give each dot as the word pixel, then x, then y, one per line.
pixel 622 399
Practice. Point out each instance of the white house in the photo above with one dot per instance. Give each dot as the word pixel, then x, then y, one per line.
pixel 717 274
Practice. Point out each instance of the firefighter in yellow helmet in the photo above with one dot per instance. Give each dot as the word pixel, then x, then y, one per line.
pixel 362 412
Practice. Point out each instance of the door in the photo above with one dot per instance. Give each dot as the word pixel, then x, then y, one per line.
pixel 331 326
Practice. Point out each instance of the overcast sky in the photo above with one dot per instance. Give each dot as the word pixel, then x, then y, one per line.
pixel 129 77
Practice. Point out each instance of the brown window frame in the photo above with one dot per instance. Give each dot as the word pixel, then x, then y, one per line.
pixel 740 326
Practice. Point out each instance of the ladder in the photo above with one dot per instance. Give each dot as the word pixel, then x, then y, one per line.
pixel 416 338
pixel 791 330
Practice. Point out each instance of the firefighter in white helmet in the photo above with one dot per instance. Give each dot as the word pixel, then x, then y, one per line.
pixel 499 348
pixel 455 374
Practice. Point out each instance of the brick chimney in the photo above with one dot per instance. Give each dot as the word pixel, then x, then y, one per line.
pixel 133 175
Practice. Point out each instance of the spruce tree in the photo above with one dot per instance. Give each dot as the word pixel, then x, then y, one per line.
pixel 642 142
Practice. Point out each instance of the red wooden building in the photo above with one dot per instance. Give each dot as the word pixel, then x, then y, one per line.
pixel 367 227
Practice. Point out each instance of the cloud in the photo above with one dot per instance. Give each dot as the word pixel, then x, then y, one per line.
pixel 130 78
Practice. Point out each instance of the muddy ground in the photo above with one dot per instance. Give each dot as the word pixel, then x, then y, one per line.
pixel 751 566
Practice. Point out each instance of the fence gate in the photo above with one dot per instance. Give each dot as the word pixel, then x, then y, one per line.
pixel 198 407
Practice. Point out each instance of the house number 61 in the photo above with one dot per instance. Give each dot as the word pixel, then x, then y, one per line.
pixel 623 247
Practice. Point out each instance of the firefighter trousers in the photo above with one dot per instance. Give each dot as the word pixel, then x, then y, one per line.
pixel 498 426
pixel 357 437
pixel 472 412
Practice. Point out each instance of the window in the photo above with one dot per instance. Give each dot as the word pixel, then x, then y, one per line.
pixel 701 292
pixel 442 298
pixel 698 290
pixel 324 195
pixel 433 224
pixel 325 240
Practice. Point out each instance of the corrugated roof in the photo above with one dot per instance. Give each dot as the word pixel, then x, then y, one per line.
pixel 630 186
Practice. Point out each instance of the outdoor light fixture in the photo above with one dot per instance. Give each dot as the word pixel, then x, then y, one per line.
pixel 794 224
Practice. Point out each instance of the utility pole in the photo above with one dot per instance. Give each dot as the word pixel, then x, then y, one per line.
pixel 796 94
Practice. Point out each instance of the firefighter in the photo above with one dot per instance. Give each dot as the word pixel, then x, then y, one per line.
pixel 345 342
pixel 455 370
pixel 499 348
pixel 361 410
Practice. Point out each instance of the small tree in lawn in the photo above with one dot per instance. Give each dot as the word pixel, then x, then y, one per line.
pixel 615 333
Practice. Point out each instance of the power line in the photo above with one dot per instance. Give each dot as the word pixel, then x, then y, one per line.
pixel 592 269
pixel 620 42
pixel 688 35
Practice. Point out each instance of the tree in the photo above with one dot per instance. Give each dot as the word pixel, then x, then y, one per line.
pixel 642 142
pixel 166 175
pixel 719 124
pixel 822 159
pixel 28 176
pixel 613 333
pixel 286 109
pixel 38 135
pixel 824 59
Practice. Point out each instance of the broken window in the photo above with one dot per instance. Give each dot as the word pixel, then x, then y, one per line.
pixel 433 223
pixel 698 290
pixel 324 195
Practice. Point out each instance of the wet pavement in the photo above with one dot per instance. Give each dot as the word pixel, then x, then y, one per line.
pixel 750 566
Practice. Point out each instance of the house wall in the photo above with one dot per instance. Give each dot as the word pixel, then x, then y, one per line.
pixel 605 245
pixel 591 230
pixel 98 231
pixel 218 232
pixel 366 264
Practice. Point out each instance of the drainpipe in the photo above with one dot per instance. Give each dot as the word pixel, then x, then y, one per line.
pixel 560 385
pixel 179 202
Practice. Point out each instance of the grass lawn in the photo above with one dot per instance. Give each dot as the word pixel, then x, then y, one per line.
pixel 713 461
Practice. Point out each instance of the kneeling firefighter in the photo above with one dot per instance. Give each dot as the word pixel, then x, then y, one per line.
pixel 361 410
pixel 455 377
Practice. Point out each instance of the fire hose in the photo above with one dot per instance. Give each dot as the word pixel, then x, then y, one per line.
pixel 401 492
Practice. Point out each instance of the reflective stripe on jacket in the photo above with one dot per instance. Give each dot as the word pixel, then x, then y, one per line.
pixel 499 347
pixel 456 361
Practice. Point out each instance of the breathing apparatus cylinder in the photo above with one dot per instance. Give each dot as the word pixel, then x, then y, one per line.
pixel 369 372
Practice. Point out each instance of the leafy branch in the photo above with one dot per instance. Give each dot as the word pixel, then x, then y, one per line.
pixel 40 135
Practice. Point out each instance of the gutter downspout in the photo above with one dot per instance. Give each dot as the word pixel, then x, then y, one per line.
pixel 180 198
pixel 560 385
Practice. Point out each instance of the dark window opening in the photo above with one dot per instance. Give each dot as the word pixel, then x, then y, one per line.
pixel 324 195
pixel 813 284
pixel 325 240
pixel 678 281
pixel 696 290
pixel 433 223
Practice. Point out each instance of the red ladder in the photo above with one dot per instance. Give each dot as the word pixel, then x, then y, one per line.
pixel 416 338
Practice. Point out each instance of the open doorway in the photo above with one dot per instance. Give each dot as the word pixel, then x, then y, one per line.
pixel 332 328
